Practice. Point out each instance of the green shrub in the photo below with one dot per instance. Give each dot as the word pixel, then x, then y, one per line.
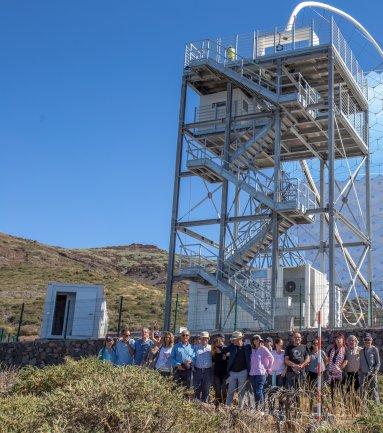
pixel 93 397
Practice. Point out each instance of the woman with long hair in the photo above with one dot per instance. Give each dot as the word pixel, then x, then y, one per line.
pixel 260 366
pixel 219 369
pixel 336 364
pixel 161 354
pixel 107 352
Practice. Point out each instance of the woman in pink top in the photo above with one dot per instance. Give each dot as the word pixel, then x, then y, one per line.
pixel 336 362
pixel 260 364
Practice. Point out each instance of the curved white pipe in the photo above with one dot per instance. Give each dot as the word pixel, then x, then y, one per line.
pixel 348 17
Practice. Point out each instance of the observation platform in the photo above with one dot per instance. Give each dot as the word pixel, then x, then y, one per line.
pixel 302 97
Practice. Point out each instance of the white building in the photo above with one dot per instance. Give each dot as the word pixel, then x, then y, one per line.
pixel 301 292
pixel 74 311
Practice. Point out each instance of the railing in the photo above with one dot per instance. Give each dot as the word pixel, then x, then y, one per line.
pixel 240 49
pixel 198 255
pixel 208 49
pixel 307 96
pixel 252 229
pixel 259 181
pixel 291 190
pixel 345 52
pixel 352 113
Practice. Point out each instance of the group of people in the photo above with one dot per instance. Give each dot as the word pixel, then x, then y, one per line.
pixel 258 365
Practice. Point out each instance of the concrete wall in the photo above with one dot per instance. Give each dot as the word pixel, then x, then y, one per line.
pixel 42 352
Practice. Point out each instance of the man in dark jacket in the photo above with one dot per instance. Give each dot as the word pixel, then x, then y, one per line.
pixel 238 368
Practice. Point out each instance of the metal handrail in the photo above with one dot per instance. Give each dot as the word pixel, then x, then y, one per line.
pixel 248 47
pixel 253 291
pixel 291 190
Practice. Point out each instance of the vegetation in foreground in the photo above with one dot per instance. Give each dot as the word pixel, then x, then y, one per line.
pixel 89 396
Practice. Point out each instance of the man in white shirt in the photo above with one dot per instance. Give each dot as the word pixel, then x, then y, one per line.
pixel 203 372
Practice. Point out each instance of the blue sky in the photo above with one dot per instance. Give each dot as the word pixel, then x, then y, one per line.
pixel 89 94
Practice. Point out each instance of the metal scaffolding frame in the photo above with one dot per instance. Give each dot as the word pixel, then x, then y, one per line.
pixel 309 109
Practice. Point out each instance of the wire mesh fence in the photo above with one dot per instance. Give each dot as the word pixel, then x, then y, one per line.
pixel 199 308
pixel 71 318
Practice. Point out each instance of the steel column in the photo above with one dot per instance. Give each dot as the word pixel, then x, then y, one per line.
pixel 322 217
pixel 176 190
pixel 275 253
pixel 368 223
pixel 224 196
pixel 331 192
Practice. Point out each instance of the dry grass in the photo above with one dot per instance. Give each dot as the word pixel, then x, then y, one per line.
pixel 93 397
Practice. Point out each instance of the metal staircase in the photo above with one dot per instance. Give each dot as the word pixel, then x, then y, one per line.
pixel 196 262
pixel 256 240
pixel 293 199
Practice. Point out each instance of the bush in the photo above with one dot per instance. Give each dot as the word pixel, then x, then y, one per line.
pixel 93 397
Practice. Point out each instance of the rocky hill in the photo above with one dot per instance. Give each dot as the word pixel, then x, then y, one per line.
pixel 136 272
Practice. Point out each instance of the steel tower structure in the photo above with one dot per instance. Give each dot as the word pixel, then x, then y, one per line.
pixel 252 162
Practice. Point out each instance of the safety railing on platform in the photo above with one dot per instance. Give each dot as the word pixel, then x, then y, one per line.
pixel 242 49
pixel 352 113
pixel 348 57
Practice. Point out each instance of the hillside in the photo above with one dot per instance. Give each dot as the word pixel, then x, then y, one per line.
pixel 136 272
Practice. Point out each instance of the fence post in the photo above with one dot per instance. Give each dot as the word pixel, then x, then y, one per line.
pixel 175 315
pixel 20 321
pixel 119 316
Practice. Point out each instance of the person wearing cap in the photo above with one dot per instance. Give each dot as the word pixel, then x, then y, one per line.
pixel 124 348
pixel 352 363
pixel 183 357
pixel 141 347
pixel 260 365
pixel 238 368
pixel 107 353
pixel 369 368
pixel 269 343
pixel 203 372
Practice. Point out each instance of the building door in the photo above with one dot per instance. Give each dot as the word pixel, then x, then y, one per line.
pixel 63 316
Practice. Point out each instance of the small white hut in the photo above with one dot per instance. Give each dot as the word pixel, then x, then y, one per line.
pixel 74 311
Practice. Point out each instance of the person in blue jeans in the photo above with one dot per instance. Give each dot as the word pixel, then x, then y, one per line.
pixel 107 353
pixel 238 367
pixel 261 361
pixel 142 346
pixel 183 358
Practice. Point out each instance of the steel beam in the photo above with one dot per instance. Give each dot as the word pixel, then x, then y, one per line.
pixel 224 196
pixel 241 218
pixel 331 186
pixel 368 225
pixel 176 192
